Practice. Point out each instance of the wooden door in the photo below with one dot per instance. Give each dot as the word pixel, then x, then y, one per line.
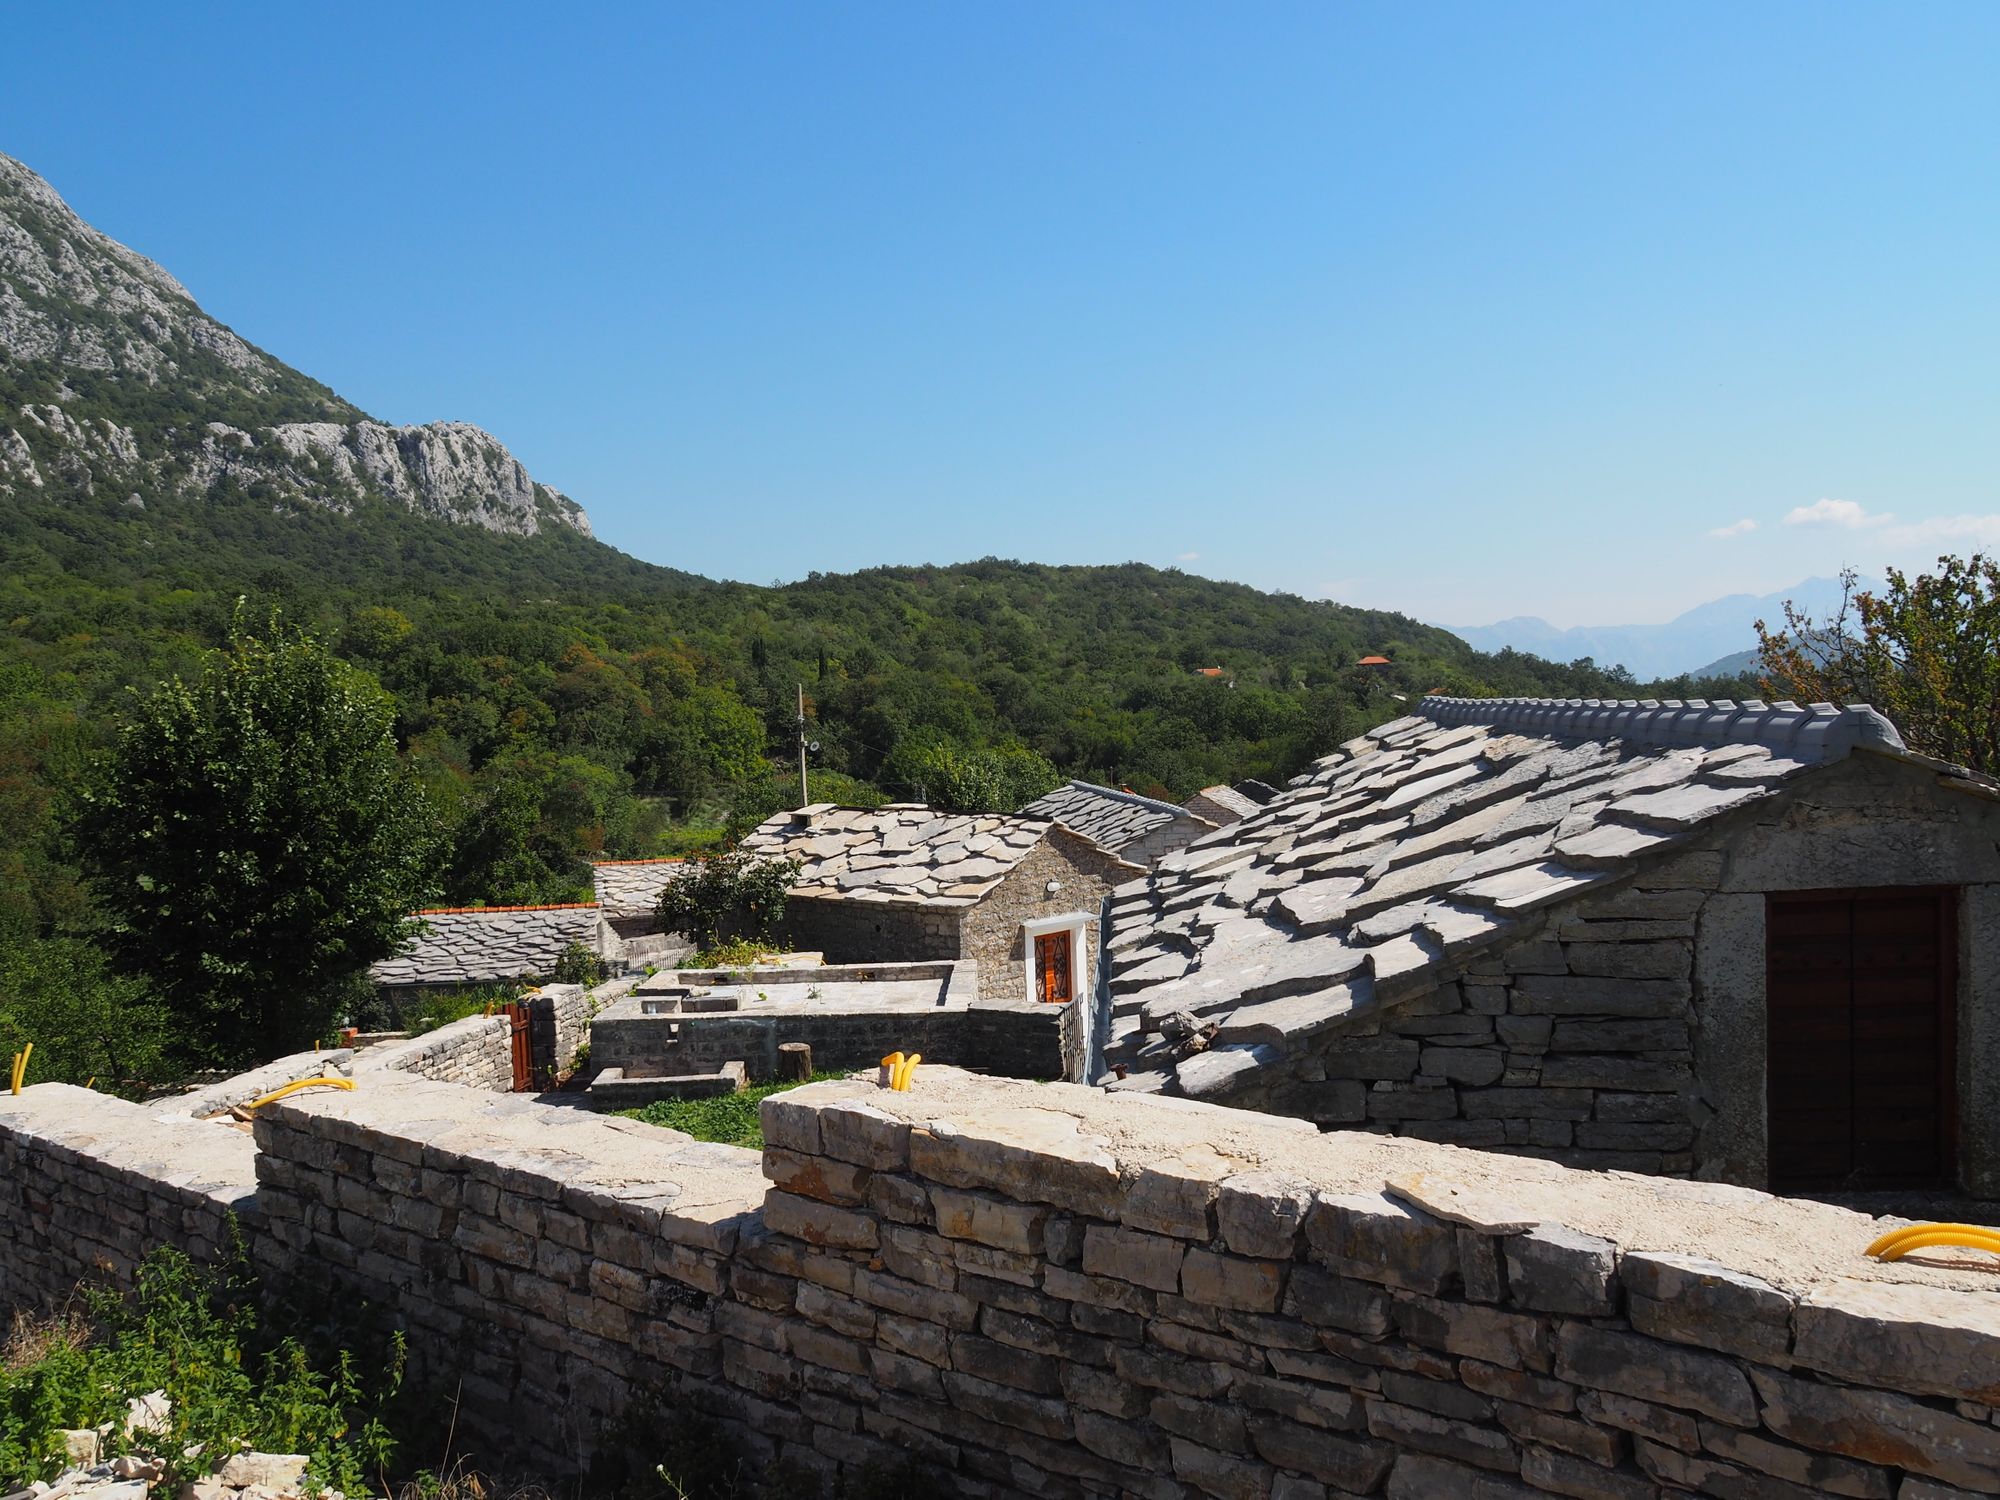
pixel 1861 989
pixel 1052 967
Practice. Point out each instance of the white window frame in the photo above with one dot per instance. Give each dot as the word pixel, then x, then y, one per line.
pixel 1078 923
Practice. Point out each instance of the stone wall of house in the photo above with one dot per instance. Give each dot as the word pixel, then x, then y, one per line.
pixel 1575 1044
pixel 1204 806
pixel 1177 834
pixel 1033 1290
pixel 1627 1031
pixel 871 931
pixel 993 928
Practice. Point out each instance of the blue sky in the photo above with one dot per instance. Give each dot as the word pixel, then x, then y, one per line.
pixel 1467 310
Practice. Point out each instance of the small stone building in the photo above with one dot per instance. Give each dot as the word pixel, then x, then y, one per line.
pixel 1137 829
pixel 1020 895
pixel 468 945
pixel 1748 943
pixel 628 892
pixel 1221 804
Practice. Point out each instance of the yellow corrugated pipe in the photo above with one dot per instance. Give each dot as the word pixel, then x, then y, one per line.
pixel 297 1084
pixel 21 1065
pixel 1898 1243
pixel 898 1070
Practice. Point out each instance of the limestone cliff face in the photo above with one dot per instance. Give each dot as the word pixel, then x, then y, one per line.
pixel 114 383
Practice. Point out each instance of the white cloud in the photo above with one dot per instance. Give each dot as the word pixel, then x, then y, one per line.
pixel 1187 557
pixel 1842 513
pixel 1983 531
pixel 1734 528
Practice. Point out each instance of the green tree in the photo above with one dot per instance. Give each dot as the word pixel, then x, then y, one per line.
pixel 84 1022
pixel 256 842
pixel 1926 652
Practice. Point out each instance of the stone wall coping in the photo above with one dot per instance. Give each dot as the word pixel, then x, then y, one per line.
pixel 403 1057
pixel 202 1158
pixel 243 1087
pixel 694 1192
pixel 1085 1150
pixel 1816 732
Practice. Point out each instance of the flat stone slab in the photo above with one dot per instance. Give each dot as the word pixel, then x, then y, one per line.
pixel 611 1089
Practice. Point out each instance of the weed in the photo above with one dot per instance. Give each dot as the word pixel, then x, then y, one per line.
pixel 190 1332
pixel 730 1119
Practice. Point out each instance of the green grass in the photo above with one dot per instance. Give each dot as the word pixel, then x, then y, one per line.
pixel 730 1120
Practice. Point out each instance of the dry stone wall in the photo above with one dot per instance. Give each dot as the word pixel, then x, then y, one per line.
pixel 1575 1044
pixel 89 1185
pixel 1056 1292
pixel 853 931
pixel 474 1052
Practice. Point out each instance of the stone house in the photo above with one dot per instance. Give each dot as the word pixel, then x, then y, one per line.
pixel 1021 896
pixel 1221 804
pixel 1137 829
pixel 468 945
pixel 628 892
pixel 1752 943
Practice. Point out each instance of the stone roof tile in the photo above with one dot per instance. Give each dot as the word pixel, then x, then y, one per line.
pixel 488 945
pixel 1107 816
pixel 904 853
pixel 1422 842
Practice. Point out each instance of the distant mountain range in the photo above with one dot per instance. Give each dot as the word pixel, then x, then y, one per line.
pixel 1714 639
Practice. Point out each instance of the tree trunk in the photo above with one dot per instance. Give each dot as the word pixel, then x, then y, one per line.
pixel 795 1061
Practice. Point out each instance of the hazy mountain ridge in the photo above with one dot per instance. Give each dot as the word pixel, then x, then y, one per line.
pixel 1710 638
pixel 115 384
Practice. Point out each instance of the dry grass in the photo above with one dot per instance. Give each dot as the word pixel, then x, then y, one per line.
pixel 31 1337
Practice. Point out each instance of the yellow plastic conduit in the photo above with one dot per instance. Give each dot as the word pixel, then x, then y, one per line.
pixel 296 1085
pixel 897 1070
pixel 1898 1243
pixel 21 1065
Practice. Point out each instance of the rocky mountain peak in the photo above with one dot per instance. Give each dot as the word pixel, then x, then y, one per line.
pixel 113 382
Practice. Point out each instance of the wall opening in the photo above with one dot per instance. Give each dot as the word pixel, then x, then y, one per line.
pixel 1861 992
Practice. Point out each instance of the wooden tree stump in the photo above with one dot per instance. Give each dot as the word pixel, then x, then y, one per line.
pixel 795 1060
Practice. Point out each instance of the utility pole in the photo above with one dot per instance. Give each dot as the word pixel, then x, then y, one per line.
pixel 804 796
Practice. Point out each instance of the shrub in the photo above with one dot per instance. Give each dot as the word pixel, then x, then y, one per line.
pixel 736 893
pixel 576 964
pixel 190 1332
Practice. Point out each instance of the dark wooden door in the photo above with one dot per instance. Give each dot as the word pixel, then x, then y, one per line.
pixel 1052 966
pixel 1861 988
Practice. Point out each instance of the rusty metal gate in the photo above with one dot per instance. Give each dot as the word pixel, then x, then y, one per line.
pixel 522 1046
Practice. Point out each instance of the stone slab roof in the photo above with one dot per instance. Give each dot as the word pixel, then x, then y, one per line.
pixel 631 887
pixel 1108 817
pixel 1411 849
pixel 904 853
pixel 483 945
pixel 1225 798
